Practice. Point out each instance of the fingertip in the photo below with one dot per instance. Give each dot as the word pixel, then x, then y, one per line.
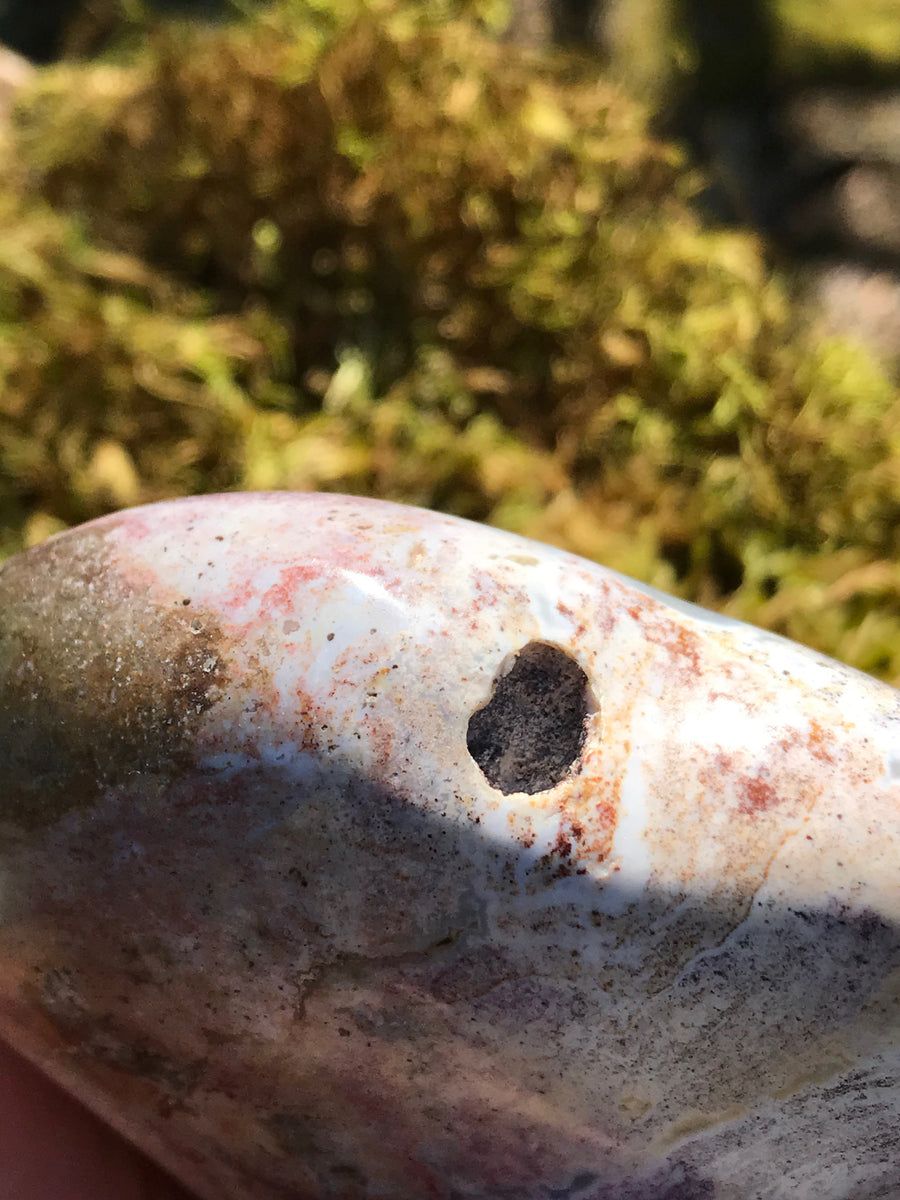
pixel 52 1148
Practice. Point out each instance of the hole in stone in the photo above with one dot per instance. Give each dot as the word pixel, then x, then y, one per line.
pixel 531 732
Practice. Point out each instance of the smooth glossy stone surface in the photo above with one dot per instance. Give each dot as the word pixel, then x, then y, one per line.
pixel 348 850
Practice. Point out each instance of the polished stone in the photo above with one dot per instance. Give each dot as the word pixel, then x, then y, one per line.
pixel 349 851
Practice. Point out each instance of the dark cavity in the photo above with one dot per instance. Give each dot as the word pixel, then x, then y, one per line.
pixel 531 732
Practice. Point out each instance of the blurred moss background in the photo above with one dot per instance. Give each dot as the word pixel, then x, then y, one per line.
pixel 373 246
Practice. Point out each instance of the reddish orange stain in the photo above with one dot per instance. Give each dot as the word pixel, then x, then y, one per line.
pixel 757 795
pixel 282 594
pixel 658 628
pixel 562 846
pixel 569 613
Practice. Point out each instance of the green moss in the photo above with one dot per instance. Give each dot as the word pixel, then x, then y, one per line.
pixel 818 33
pixel 363 247
pixel 724 52
pixel 115 385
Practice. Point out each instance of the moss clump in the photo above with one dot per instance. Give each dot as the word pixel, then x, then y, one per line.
pixel 816 35
pixel 116 386
pixel 743 53
pixel 424 265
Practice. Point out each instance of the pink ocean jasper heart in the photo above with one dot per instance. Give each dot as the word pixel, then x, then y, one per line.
pixel 353 851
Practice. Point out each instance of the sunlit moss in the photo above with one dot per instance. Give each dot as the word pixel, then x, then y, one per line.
pixel 815 33
pixel 363 246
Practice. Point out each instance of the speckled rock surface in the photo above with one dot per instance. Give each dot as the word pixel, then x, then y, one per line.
pixel 352 851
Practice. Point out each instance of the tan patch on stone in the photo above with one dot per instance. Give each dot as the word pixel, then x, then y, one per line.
pixel 101 678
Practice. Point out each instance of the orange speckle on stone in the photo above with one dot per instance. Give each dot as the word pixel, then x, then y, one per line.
pixel 818 743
